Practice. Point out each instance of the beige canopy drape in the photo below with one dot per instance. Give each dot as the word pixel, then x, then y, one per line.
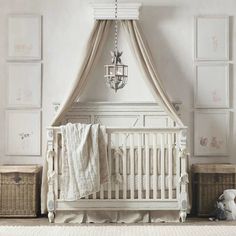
pixel 146 62
pixel 95 44
pixel 143 55
pixel 94 47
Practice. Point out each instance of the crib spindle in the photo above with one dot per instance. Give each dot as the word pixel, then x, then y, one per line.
pixel 117 157
pixel 140 166
pixel 56 150
pixel 124 167
pixel 177 164
pixel 170 175
pixel 109 162
pixel 102 192
pixel 154 139
pixel 132 166
pixel 147 165
pixel 162 167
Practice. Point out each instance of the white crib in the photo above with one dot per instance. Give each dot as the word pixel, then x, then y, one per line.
pixel 148 170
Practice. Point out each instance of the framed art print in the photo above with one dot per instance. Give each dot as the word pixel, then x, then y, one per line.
pixel 211 133
pixel 211 38
pixel 24 37
pixel 24 85
pixel 23 132
pixel 212 85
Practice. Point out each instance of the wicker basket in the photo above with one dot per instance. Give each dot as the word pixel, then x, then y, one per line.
pixel 209 182
pixel 20 190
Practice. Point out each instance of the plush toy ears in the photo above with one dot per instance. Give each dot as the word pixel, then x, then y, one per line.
pixel 221 197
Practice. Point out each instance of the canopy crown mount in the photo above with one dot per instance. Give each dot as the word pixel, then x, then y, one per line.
pixel 125 11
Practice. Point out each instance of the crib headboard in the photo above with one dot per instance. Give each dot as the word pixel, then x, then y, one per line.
pixel 119 114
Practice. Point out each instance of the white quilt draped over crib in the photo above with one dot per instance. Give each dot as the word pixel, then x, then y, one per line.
pixel 84 163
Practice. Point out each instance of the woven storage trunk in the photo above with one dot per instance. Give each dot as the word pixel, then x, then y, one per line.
pixel 20 190
pixel 209 182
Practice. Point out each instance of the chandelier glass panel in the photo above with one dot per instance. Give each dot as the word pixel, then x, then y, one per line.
pixel 116 73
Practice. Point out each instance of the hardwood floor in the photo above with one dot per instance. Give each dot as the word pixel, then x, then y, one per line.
pixel 44 221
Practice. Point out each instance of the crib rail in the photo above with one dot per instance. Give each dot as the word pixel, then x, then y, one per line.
pixel 145 165
pixel 145 157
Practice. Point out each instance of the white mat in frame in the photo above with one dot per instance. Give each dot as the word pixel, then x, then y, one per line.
pixel 24 37
pixel 211 132
pixel 212 85
pixel 23 129
pixel 24 87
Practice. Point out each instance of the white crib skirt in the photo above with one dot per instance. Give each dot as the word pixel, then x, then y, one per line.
pixel 127 217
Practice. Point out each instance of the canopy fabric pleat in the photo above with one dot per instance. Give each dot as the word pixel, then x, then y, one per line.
pixel 146 62
pixel 94 48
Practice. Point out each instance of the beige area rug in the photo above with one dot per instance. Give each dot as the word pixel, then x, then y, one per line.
pixel 115 230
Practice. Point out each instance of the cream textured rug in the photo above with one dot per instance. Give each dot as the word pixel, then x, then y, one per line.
pixel 124 230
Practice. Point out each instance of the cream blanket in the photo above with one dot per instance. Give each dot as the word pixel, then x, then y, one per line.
pixel 84 163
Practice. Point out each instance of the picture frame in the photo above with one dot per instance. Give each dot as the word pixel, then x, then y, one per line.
pixel 24 37
pixel 23 132
pixel 212 85
pixel 211 40
pixel 211 133
pixel 24 85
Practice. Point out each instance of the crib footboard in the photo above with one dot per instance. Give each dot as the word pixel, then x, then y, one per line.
pixel 147 166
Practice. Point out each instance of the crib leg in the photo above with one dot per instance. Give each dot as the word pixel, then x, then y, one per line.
pixel 182 216
pixel 51 217
pixel 50 176
pixel 183 197
pixel 51 205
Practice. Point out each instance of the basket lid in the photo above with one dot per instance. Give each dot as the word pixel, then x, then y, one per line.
pixel 214 168
pixel 20 168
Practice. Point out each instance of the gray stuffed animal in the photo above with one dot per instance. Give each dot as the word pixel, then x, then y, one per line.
pixel 220 212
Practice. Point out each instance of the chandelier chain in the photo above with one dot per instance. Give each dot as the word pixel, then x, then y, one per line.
pixel 116 26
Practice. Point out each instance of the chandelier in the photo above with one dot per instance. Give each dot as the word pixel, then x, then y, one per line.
pixel 116 73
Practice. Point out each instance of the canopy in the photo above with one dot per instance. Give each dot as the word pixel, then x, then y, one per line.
pixel 95 45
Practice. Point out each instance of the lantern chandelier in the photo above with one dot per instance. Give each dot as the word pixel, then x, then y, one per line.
pixel 116 74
